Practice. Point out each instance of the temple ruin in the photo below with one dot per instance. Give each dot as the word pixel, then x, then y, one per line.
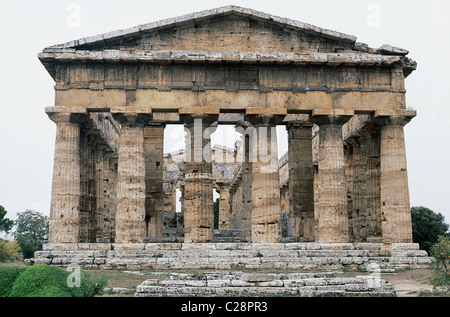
pixel 343 180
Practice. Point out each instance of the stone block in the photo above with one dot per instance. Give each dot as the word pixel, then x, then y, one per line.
pixel 405 246
pixel 128 246
pixel 60 247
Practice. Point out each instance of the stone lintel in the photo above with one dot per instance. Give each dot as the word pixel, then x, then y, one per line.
pixel 131 109
pixel 63 109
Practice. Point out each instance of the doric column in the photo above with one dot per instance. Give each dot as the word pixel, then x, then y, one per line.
pixel 109 203
pixel 66 185
pixel 198 188
pixel 395 207
pixel 373 203
pixel 348 153
pixel 266 204
pixel 130 214
pixel 243 195
pixel 154 178
pixel 224 207
pixel 359 224
pixel 332 222
pixel 301 180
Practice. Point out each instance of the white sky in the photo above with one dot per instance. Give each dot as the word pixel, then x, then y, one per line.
pixel 27 135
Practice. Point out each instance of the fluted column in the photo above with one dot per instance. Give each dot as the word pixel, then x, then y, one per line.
pixel 332 222
pixel 154 178
pixel 301 180
pixel 66 186
pixel 110 174
pixel 395 206
pixel 198 188
pixel 243 195
pixel 224 207
pixel 373 195
pixel 359 222
pixel 266 203
pixel 130 214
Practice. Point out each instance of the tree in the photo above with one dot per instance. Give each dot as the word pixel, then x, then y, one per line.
pixel 9 250
pixel 5 223
pixel 31 232
pixel 427 226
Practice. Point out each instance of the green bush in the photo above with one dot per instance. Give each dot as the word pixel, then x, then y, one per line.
pixel 8 274
pixel 441 264
pixel 42 281
pixel 91 286
pixel 49 281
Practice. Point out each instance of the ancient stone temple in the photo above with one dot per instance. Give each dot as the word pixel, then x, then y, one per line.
pixel 344 179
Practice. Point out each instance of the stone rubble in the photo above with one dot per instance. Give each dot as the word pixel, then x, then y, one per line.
pixel 223 283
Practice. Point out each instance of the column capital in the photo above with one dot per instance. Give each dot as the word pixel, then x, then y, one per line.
pixel 208 119
pixel 132 119
pixel 155 124
pixel 331 116
pixel 298 120
pixel 393 117
pixel 264 120
pixel 299 124
pixel 67 117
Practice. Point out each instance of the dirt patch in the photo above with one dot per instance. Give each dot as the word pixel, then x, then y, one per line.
pixel 408 283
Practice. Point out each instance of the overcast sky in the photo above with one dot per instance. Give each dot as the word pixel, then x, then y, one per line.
pixel 27 135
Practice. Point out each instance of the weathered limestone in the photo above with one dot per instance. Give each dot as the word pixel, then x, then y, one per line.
pixel 360 178
pixel 198 189
pixel 266 204
pixel 235 256
pixel 301 182
pixel 66 185
pixel 373 194
pixel 237 284
pixel 343 104
pixel 244 175
pixel 131 192
pixel 395 209
pixel 224 207
pixel 332 222
pixel 154 179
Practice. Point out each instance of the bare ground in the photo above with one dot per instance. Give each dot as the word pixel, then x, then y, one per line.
pixel 408 283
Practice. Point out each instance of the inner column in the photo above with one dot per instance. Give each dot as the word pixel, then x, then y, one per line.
pixel 332 220
pixel 301 180
pixel 198 188
pixel 266 203
pixel 130 214
pixel 154 179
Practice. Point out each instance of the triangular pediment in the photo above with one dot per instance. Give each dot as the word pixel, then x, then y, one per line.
pixel 228 28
